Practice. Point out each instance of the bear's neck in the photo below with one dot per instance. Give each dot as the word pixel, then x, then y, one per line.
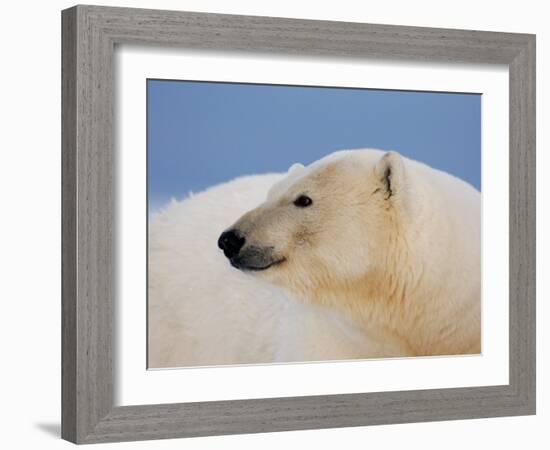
pixel 373 301
pixel 404 307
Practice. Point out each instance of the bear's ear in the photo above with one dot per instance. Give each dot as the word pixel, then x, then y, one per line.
pixel 390 175
pixel 295 168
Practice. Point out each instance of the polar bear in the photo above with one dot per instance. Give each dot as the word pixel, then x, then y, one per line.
pixel 391 243
pixel 203 312
pixel 362 254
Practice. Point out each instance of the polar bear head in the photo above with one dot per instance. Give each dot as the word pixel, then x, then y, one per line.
pixel 326 224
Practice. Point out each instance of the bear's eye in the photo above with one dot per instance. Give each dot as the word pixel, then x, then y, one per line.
pixel 303 201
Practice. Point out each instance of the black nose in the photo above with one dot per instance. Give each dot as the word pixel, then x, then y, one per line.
pixel 231 243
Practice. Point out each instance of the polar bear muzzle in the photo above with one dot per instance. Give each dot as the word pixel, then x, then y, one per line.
pixel 246 258
pixel 231 243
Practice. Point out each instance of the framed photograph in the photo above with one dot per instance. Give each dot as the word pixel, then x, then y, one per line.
pixel 278 224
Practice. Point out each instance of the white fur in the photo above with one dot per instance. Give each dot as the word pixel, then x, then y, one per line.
pixel 202 311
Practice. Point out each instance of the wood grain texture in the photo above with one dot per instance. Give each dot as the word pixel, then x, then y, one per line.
pixel 89 36
pixel 523 224
pixel 68 226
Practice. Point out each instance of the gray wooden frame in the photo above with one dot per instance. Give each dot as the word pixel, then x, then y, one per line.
pixel 89 36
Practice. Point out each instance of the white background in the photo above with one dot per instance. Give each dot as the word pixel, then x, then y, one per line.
pixel 30 224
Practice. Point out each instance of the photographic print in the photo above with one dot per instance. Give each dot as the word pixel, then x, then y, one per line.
pixel 306 246
pixel 300 223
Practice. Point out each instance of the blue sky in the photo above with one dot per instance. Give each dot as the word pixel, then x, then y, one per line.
pixel 203 133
